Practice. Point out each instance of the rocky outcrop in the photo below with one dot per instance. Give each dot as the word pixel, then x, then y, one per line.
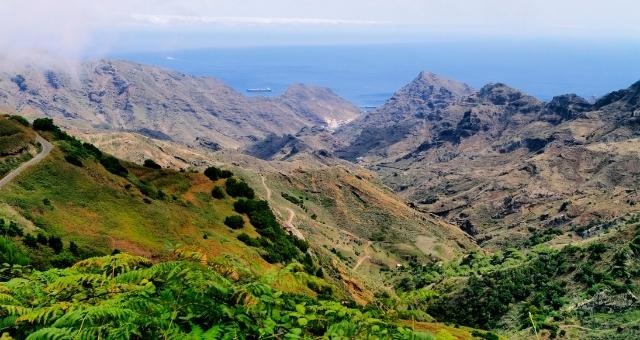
pixel 565 107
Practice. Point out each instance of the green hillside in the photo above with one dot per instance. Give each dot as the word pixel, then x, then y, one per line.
pixel 95 247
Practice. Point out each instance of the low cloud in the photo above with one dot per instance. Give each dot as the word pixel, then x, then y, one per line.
pixel 186 19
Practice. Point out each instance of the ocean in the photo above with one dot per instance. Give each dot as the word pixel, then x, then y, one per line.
pixel 367 75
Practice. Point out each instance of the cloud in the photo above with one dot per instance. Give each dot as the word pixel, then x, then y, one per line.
pixel 186 19
pixel 74 28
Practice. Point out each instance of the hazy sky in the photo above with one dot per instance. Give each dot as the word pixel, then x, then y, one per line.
pixel 74 26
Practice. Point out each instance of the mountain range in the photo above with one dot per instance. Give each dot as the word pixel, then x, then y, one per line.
pixel 447 196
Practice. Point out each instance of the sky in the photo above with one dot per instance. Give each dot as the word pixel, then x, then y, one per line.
pixel 80 27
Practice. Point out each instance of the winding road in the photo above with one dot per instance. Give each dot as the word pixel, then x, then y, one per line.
pixel 46 149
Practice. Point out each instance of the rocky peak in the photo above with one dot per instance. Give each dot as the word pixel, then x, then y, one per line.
pixel 565 107
pixel 515 100
pixel 429 86
pixel 625 100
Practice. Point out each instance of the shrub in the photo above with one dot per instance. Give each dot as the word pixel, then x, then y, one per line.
pixel 42 239
pixel 215 174
pixel 113 165
pixel 11 230
pixel 23 121
pixel 234 222
pixel 55 243
pixel 73 248
pixel 217 192
pixel 279 246
pixel 297 201
pixel 73 159
pixel 248 240
pixel 9 253
pixel 30 241
pixel 239 188
pixel 92 150
pixel 151 164
pixel 44 124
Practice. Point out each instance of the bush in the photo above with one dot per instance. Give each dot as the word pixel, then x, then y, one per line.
pixel 217 192
pixel 92 150
pixel 248 240
pixel 234 222
pixel 44 124
pixel 151 164
pixel 73 248
pixel 113 165
pixel 42 239
pixel 9 253
pixel 56 244
pixel 30 241
pixel 11 230
pixel 279 246
pixel 297 201
pixel 215 174
pixel 23 121
pixel 239 188
pixel 73 159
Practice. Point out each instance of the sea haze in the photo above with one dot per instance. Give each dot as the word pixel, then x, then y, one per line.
pixel 368 75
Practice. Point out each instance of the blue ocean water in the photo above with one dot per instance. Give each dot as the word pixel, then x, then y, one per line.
pixel 367 75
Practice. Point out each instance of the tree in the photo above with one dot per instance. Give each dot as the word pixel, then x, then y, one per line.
pixel 73 159
pixel 151 164
pixel 239 188
pixel 42 239
pixel 73 248
pixel 234 221
pixel 55 243
pixel 44 124
pixel 215 174
pixel 30 241
pixel 217 192
pixel 113 165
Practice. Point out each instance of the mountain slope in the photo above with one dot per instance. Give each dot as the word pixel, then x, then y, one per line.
pixel 499 163
pixel 119 95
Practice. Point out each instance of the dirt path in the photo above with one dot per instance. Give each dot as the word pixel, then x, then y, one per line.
pixel 288 225
pixel 46 149
pixel 266 188
pixel 364 256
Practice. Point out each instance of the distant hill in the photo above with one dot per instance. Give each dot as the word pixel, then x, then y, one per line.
pixel 199 111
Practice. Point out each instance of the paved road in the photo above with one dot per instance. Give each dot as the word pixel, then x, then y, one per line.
pixel 46 149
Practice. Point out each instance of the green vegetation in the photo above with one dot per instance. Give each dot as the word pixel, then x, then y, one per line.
pixel 234 222
pixel 278 245
pixel 15 142
pixel 542 282
pixel 124 296
pixel 238 188
pixel 217 192
pixel 113 165
pixel 215 174
pixel 11 254
pixel 151 164
pixel 295 200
